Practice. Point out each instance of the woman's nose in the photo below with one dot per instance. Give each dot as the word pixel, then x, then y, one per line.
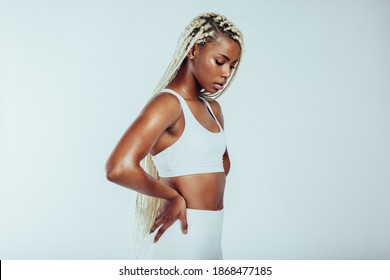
pixel 226 72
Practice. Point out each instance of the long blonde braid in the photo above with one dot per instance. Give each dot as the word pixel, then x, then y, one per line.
pixel 202 29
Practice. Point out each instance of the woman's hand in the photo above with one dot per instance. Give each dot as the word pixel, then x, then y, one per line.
pixel 172 210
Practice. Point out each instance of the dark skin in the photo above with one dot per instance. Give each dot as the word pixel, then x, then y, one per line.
pixel 161 123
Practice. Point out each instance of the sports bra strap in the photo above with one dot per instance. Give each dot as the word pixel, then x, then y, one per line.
pixel 173 92
pixel 183 102
pixel 211 111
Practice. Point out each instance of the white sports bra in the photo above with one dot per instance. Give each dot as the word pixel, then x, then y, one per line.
pixel 197 151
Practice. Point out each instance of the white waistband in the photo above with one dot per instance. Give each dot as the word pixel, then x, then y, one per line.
pixel 204 221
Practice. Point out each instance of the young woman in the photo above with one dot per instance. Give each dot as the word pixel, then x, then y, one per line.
pixel 179 135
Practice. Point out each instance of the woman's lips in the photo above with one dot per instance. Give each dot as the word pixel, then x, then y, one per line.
pixel 219 86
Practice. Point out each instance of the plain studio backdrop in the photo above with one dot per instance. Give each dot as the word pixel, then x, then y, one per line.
pixel 307 122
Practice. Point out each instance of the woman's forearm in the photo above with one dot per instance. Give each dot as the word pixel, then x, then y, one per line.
pixel 135 178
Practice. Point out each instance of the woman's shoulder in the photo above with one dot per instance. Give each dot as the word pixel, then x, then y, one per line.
pixel 165 101
pixel 163 106
pixel 166 97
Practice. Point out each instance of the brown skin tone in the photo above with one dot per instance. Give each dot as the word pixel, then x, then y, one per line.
pixel 161 124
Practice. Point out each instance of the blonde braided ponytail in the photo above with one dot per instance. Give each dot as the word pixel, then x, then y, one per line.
pixel 202 29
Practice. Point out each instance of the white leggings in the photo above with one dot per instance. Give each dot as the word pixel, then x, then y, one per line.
pixel 202 242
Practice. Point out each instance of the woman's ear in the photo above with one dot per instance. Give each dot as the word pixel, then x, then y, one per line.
pixel 194 52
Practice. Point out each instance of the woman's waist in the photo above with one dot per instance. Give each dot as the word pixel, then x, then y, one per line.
pixel 200 191
pixel 212 179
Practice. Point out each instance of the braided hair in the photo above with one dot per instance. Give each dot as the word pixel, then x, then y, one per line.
pixel 202 29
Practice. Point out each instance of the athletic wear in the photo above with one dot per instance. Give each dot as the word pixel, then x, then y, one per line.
pixel 202 242
pixel 197 151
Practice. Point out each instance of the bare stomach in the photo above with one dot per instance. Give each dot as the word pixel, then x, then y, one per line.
pixel 201 191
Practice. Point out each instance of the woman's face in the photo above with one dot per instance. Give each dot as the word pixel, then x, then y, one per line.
pixel 214 63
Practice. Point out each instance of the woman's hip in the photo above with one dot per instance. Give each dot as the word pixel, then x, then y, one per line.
pixel 203 240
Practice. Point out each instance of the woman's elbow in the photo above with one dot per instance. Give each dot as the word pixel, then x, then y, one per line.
pixel 116 172
pixel 112 174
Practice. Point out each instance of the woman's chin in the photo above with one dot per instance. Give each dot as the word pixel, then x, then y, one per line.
pixel 212 90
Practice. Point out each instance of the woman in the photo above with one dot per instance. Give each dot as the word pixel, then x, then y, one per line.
pixel 180 131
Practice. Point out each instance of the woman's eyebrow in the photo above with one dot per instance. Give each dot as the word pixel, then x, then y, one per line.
pixel 227 58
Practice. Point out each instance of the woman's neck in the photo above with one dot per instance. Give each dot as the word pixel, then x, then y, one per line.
pixel 185 83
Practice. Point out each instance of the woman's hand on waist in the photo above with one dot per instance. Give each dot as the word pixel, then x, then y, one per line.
pixel 172 210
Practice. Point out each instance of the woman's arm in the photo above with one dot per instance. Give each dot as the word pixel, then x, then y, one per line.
pixel 123 165
pixel 226 162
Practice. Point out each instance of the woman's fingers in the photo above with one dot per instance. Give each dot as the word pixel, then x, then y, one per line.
pixel 162 229
pixel 172 211
pixel 184 225
pixel 166 223
pixel 162 218
pixel 156 224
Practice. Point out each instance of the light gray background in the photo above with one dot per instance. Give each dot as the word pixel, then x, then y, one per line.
pixel 307 121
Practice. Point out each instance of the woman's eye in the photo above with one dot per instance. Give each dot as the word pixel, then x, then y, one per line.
pixel 219 63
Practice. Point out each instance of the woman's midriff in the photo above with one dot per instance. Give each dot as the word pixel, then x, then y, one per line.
pixel 201 191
